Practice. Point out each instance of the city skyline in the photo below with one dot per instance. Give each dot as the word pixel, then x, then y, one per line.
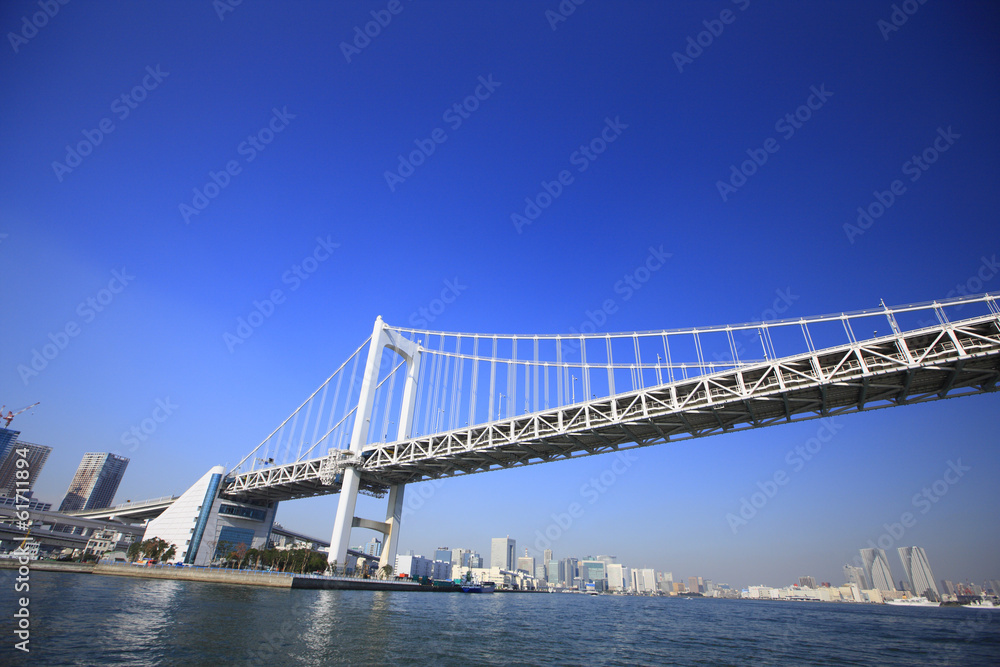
pixel 197 232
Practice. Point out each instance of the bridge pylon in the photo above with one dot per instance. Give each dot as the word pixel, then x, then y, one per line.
pixel 382 338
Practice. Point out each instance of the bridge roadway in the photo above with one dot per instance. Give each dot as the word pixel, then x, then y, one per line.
pixel 949 359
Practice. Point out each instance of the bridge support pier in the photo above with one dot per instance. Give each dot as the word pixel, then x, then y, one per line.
pixel 345 519
pixel 393 517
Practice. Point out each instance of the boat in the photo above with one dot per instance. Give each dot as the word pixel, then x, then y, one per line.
pixel 485 587
pixel 914 602
pixel 985 603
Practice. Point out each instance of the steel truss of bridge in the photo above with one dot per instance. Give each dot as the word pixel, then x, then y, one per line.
pixel 935 362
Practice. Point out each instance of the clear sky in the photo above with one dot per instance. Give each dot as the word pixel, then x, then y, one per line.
pixel 165 165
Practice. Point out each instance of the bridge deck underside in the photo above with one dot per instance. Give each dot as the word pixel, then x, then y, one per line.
pixel 940 362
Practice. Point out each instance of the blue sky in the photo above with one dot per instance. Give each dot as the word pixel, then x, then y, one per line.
pixel 280 138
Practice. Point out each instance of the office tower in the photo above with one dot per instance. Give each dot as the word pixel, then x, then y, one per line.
pixel 569 574
pixel 807 582
pixel 95 482
pixel 593 570
pixel 502 550
pixel 918 572
pixel 443 553
pixel 475 560
pixel 643 580
pixel 374 547
pixel 547 556
pixel 7 440
pixel 856 575
pixel 877 570
pixel 459 558
pixel 555 572
pixel 694 584
pixel 526 563
pixel 617 577
pixel 36 456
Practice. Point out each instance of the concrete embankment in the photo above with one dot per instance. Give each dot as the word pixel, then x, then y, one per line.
pixel 48 566
pixel 244 577
pixel 238 577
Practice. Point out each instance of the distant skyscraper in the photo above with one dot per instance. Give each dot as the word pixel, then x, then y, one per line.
pixel 856 575
pixel 36 457
pixel 617 574
pixel 374 547
pixel 502 553
pixel 547 556
pixel 443 553
pixel 947 587
pixel 569 573
pixel 918 572
pixel 555 572
pixel 807 582
pixel 95 483
pixel 526 563
pixel 877 569
pixel 694 584
pixel 593 570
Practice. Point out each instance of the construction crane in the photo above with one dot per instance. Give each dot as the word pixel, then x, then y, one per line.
pixel 11 414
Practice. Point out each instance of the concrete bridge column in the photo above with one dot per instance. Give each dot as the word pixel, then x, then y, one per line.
pixel 345 519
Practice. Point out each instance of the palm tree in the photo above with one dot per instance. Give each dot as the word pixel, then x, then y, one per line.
pixel 386 571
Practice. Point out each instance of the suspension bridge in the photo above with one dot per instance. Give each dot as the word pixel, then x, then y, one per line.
pixel 411 405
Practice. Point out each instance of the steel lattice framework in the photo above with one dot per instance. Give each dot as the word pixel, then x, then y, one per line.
pixel 929 362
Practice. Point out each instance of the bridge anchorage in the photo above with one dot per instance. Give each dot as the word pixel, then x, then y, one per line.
pixel 427 404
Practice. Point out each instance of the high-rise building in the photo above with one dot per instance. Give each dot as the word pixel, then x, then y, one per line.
pixel 502 553
pixel 694 584
pixel 555 572
pixel 617 577
pixel 593 570
pixel 807 582
pixel 95 483
pixel 644 580
pixel 918 572
pixel 443 553
pixel 568 567
pixel 947 587
pixel 877 569
pixel 547 556
pixel 856 575
pixel 36 456
pixel 7 440
pixel 374 547
pixel 526 563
